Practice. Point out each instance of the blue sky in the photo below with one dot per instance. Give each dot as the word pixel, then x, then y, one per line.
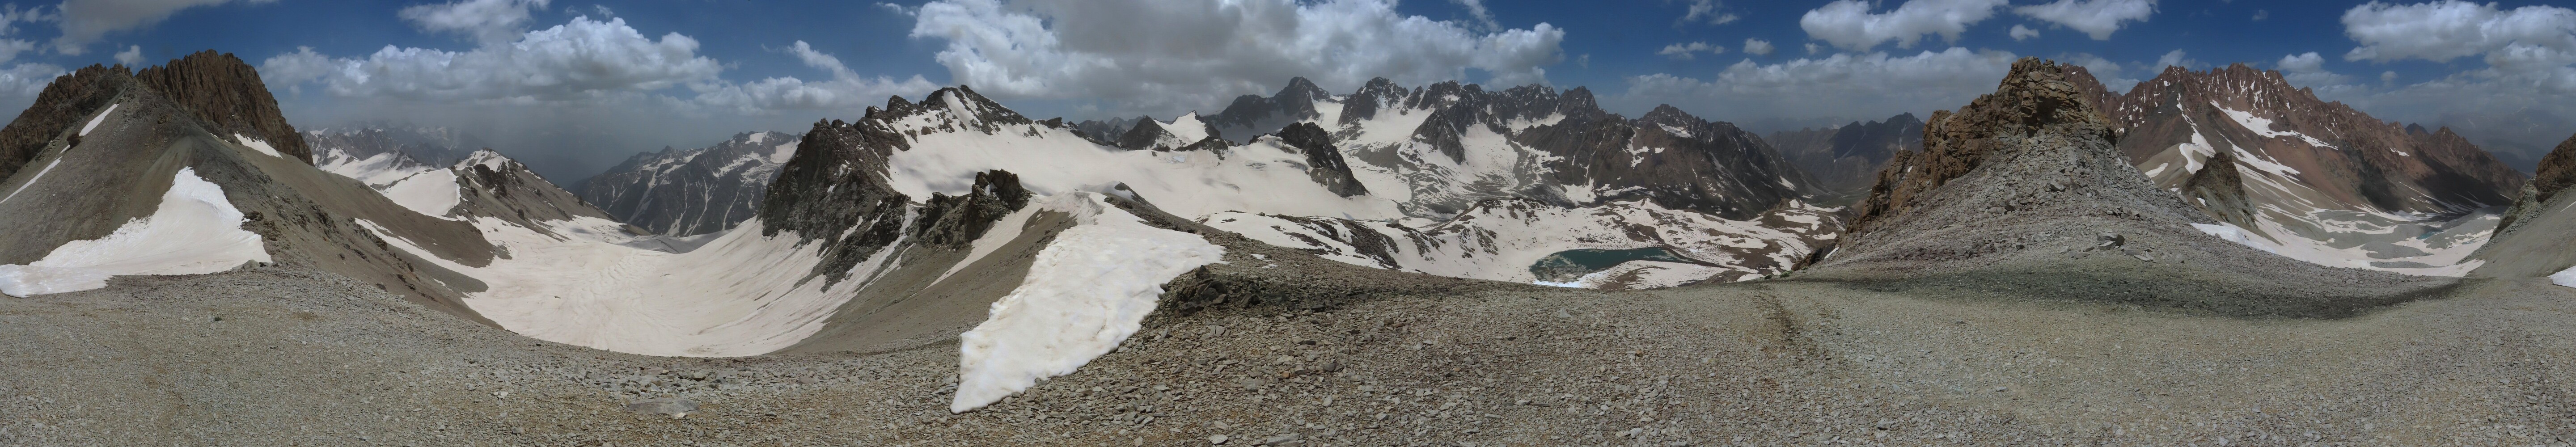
pixel 572 87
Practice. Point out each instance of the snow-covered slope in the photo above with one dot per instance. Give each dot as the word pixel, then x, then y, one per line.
pixel 694 191
pixel 195 230
pixel 2312 180
pixel 381 156
pixel 1527 241
pixel 135 181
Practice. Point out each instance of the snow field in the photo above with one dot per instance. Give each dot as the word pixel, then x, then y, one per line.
pixel 194 231
pixel 1085 293
pixel 737 295
pixel 1264 176
pixel 379 171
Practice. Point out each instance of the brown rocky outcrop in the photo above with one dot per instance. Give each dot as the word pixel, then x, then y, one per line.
pixel 70 99
pixel 956 221
pixel 223 93
pixel 2557 172
pixel 229 96
pixel 2220 191
pixel 2033 98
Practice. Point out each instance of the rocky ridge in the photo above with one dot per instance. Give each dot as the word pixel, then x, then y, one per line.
pixel 2537 236
pixel 229 96
pixel 2024 186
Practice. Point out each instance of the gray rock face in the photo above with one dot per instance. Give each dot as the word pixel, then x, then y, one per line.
pixel 1153 135
pixel 834 191
pixel 499 187
pixel 693 191
pixel 1106 133
pixel 1251 115
pixel 1324 162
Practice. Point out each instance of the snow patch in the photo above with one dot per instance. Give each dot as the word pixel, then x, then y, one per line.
pixel 431 193
pixel 258 145
pixel 2564 278
pixel 31 181
pixel 102 116
pixel 2263 126
pixel 1084 294
pixel 487 158
pixel 194 231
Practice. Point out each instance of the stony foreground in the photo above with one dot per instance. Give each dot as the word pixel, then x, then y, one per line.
pixel 279 356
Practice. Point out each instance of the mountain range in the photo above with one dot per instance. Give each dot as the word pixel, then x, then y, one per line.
pixel 1038 245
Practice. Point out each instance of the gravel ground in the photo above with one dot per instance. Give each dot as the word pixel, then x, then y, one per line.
pixel 283 356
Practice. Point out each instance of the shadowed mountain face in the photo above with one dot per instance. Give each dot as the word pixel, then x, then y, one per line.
pixel 695 191
pixel 1846 159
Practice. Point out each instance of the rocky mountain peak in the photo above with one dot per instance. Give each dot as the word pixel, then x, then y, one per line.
pixel 2033 100
pixel 1300 89
pixel 1666 114
pixel 228 94
pixel 1378 93
pixel 221 92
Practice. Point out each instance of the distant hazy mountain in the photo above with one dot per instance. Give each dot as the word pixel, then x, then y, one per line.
pixel 1846 159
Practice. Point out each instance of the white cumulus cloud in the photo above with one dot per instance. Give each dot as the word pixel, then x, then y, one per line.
pixel 2096 18
pixel 1199 54
pixel 1841 86
pixel 2019 32
pixel 131 57
pixel 2308 70
pixel 843 90
pixel 485 20
pixel 1684 51
pixel 1758 47
pixel 85 21
pixel 1850 24
pixel 581 59
pixel 1707 11
pixel 2442 31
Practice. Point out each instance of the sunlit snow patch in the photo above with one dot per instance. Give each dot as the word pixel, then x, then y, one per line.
pixel 258 145
pixel 1084 293
pixel 431 193
pixel 194 231
pixel 2564 278
pixel 102 116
